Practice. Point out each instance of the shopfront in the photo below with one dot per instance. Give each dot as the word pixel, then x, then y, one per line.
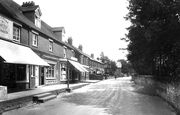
pixel 19 66
pixel 51 72
pixel 14 76
pixel 87 69
pixel 70 70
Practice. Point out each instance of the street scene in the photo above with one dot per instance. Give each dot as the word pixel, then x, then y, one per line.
pixel 90 57
pixel 108 97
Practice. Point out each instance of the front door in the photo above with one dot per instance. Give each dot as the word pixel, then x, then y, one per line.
pixel 41 80
pixel 36 76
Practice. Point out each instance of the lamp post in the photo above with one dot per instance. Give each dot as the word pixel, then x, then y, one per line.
pixel 67 76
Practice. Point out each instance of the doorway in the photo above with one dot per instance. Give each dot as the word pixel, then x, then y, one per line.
pixel 41 80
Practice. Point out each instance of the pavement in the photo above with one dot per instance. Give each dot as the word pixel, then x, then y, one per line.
pixel 18 99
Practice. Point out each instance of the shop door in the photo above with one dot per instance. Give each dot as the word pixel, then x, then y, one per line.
pixel 36 76
pixel 41 80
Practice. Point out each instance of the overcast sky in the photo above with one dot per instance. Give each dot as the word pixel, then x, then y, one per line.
pixel 96 24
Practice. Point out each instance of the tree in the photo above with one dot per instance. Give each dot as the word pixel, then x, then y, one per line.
pixel 110 66
pixel 113 67
pixel 103 58
pixel 154 44
pixel 126 67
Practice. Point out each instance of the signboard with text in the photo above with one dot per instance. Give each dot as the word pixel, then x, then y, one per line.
pixel 6 28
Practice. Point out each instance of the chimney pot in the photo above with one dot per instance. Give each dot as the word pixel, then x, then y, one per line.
pixel 80 47
pixel 29 3
pixel 92 56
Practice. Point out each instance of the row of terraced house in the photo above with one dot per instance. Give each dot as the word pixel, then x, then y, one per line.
pixel 33 54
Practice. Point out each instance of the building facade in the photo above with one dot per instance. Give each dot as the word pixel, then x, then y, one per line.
pixel 82 59
pixel 32 53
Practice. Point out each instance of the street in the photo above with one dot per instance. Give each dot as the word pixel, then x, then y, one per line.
pixel 108 97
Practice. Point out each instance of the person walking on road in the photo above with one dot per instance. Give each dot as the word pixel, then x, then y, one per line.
pixel 115 75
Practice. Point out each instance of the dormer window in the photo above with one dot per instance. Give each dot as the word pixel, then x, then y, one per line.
pixel 32 12
pixel 37 21
pixel 37 18
pixel 63 35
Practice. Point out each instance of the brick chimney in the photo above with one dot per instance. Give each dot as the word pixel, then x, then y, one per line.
pixel 92 56
pixel 28 4
pixel 70 40
pixel 80 47
pixel 31 11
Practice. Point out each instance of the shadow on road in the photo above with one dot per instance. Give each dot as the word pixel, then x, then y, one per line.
pixel 120 97
pixel 145 90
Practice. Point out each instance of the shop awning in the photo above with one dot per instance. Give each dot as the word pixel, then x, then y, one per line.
pixel 18 54
pixel 86 67
pixel 76 65
pixel 81 66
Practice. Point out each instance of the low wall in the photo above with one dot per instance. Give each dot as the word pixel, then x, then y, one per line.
pixel 144 80
pixel 169 92
pixel 96 77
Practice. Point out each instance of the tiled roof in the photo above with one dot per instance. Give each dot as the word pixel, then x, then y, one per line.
pixel 14 9
pixel 68 45
pixel 82 53
pixel 78 50
pixel 47 30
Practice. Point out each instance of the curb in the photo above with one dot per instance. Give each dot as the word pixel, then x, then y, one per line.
pixel 23 101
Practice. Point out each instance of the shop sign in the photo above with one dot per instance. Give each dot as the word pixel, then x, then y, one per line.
pixel 6 28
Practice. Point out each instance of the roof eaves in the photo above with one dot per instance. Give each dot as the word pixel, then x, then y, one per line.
pixel 13 9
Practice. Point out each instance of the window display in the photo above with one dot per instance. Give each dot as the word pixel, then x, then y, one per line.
pixel 63 71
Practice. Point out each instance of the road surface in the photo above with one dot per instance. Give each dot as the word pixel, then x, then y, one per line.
pixel 108 97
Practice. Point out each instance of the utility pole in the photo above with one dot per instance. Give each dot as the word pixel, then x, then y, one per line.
pixel 67 76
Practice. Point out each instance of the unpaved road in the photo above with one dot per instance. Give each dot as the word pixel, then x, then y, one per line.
pixel 108 97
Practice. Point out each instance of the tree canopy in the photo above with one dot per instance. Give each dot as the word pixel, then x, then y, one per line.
pixel 126 67
pixel 110 65
pixel 154 37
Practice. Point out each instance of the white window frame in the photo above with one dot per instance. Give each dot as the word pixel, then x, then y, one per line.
pixel 50 72
pixel 37 20
pixel 73 53
pixel 16 33
pixel 33 70
pixel 63 71
pixel 50 45
pixel 82 57
pixel 34 39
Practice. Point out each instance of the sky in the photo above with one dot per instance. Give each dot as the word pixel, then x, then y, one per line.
pixel 97 25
